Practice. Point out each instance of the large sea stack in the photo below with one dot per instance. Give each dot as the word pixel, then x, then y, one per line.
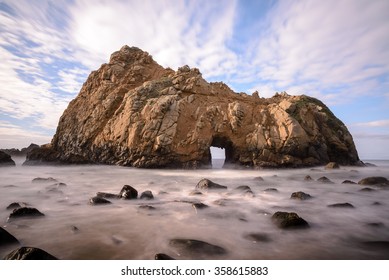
pixel 134 112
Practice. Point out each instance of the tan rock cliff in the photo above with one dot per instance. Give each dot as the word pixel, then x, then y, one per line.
pixel 133 112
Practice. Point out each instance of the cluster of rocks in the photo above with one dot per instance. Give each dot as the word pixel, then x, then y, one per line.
pixel 127 192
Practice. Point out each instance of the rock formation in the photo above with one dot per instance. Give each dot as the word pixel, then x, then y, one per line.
pixel 134 112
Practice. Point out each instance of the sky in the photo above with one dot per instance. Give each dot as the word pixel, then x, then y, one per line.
pixel 334 50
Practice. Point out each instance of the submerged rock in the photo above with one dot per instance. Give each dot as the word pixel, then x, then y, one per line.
pixel 271 190
pixel 325 180
pixel 205 184
pixel 308 178
pixel 300 195
pixel 15 205
pixel 289 220
pixel 197 246
pixel 257 237
pixel 378 181
pixel 44 180
pixel 199 205
pixel 128 192
pixel 6 238
pixel 367 190
pixel 29 253
pixel 25 212
pixel 341 205
pixel 107 195
pixel 162 256
pixel 146 195
pixel 349 182
pixel 97 200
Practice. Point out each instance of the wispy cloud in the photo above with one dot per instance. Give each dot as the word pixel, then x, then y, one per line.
pixel 15 136
pixel 379 123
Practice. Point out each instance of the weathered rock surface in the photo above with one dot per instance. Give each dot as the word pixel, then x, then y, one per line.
pixel 25 212
pixel 29 253
pixel 378 181
pixel 134 112
pixel 205 184
pixel 300 196
pixel 197 247
pixel 288 220
pixel 6 238
pixel 6 160
pixel 128 192
pixel 22 152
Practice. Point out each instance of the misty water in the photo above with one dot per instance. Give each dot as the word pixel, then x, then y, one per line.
pixel 73 229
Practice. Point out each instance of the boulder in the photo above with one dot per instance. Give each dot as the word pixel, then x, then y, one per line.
pixel 6 238
pixel 196 247
pixel 97 200
pixel 6 160
pixel 289 220
pixel 300 196
pixel 205 184
pixel 146 195
pixel 25 212
pixel 377 181
pixel 29 253
pixel 128 192
pixel 133 112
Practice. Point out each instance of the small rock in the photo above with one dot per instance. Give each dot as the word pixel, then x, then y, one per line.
pixel 197 247
pixel 6 238
pixel 162 256
pixel 245 190
pixel 25 212
pixel 289 220
pixel 332 165
pixel 107 195
pixel 44 180
pixel 147 207
pixel 257 237
pixel 128 192
pixel 97 200
pixel 341 205
pixel 348 182
pixel 29 253
pixel 147 195
pixel 205 184
pixel 300 195
pixel 324 179
pixel 376 225
pixel 271 190
pixel 259 179
pixel 195 193
pixel 74 229
pixel 15 205
pixel 199 205
pixel 367 190
pixel 376 203
pixel 308 178
pixel 378 181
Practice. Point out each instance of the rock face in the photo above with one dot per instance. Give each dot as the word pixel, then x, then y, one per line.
pixel 134 112
pixel 6 160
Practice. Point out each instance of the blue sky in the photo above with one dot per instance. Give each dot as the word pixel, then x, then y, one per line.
pixel 337 51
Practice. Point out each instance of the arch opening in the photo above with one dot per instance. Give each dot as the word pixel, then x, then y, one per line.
pixel 221 152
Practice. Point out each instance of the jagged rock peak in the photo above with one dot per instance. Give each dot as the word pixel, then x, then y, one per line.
pixel 134 112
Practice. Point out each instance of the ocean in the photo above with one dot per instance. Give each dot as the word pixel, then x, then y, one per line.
pixel 241 223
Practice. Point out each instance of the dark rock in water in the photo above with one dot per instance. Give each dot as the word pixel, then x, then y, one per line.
pixel 300 195
pixel 29 253
pixel 74 229
pixel 128 192
pixel 245 190
pixel 195 193
pixel 257 237
pixel 146 195
pixel 348 182
pixel 197 246
pixel 44 180
pixel 308 178
pixel 259 179
pixel 6 160
pixel 97 200
pixel 147 207
pixel 367 190
pixel 205 184
pixel 199 205
pixel 378 181
pixel 376 203
pixel 107 195
pixel 10 186
pixel 368 164
pixel 332 165
pixel 271 190
pixel 6 238
pixel 341 205
pixel 324 179
pixel 289 220
pixel 25 212
pixel 376 225
pixel 15 205
pixel 162 256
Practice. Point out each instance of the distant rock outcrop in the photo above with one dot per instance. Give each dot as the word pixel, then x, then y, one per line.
pixel 22 152
pixel 134 112
pixel 6 160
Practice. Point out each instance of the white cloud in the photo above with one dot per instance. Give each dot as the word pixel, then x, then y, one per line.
pixel 379 123
pixel 13 136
